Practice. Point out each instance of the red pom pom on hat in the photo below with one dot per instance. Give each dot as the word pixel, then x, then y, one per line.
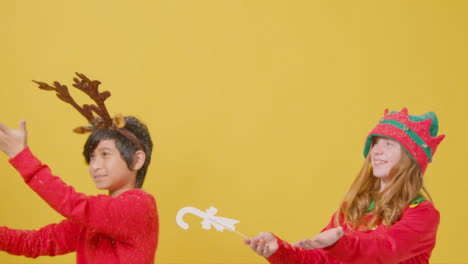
pixel 416 134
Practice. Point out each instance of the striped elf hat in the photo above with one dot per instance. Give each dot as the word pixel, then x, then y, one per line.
pixel 416 134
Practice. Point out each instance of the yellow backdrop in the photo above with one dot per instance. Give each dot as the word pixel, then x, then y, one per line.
pixel 259 108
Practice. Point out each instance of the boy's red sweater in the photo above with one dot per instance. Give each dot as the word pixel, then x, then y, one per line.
pixel 409 241
pixel 101 229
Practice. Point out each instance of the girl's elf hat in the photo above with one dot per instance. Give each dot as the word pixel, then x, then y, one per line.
pixel 417 134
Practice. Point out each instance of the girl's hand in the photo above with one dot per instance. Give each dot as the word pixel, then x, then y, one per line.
pixel 324 239
pixel 12 141
pixel 265 244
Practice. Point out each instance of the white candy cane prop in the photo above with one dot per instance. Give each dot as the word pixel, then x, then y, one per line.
pixel 220 223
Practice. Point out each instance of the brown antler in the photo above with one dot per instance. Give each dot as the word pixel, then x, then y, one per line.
pixel 90 88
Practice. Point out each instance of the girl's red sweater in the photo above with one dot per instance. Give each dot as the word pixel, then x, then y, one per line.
pixel 409 241
pixel 101 229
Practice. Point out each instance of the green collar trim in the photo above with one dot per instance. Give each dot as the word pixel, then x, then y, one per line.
pixel 417 200
pixel 371 206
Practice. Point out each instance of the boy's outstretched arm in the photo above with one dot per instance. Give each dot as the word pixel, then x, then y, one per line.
pixel 123 218
pixel 51 240
pixel 108 215
pixel 13 141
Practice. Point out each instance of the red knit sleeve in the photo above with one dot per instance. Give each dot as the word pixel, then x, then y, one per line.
pixel 121 218
pixel 287 254
pixel 51 240
pixel 413 235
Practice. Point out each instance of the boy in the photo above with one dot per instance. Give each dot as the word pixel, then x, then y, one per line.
pixel 119 228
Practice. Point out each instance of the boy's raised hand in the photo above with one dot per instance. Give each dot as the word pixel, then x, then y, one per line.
pixel 265 244
pixel 12 141
pixel 322 240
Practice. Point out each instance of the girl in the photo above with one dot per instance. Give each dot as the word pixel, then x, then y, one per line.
pixel 383 218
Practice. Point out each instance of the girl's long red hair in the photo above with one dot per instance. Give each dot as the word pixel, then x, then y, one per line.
pixel 406 183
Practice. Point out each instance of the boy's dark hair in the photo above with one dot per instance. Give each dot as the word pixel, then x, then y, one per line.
pixel 126 147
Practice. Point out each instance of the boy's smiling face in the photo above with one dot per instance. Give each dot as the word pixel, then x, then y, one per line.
pixel 109 170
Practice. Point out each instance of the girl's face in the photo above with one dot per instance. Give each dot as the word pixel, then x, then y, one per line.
pixel 385 154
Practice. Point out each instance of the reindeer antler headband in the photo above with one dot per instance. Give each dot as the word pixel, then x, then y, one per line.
pixel 103 119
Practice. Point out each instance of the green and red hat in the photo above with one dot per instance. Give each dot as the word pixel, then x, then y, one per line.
pixel 417 134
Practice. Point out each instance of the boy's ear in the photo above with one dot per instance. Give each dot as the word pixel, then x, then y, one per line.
pixel 138 160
